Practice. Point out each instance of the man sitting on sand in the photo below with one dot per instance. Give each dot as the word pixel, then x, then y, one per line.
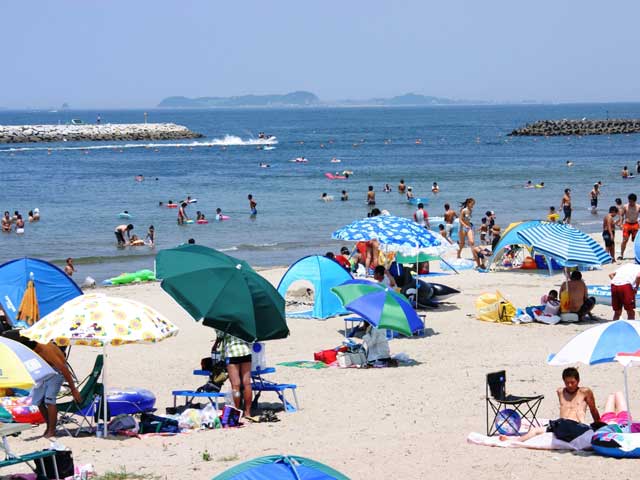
pixel 574 401
pixel 579 302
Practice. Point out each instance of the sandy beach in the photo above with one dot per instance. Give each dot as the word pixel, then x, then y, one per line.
pixel 407 422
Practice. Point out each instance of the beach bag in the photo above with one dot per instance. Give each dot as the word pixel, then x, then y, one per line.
pixel 352 359
pixel 64 461
pixel 565 301
pixel 493 307
pixel 326 356
pixel 150 423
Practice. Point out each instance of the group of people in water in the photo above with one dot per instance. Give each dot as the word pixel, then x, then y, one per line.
pixel 16 221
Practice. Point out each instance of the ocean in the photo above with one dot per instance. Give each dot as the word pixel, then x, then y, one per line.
pixel 81 187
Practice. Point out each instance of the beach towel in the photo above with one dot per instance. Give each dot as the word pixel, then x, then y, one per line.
pixel 315 365
pixel 546 441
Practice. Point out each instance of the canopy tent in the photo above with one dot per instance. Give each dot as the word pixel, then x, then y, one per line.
pixel 510 237
pixel 53 287
pixel 281 467
pixel 323 274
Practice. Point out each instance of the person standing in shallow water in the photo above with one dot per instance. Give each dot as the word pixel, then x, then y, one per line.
pixel 466 227
pixel 565 206
pixel 252 205
pixel 371 199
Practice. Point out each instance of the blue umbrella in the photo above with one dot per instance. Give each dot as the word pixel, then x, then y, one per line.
pixel 568 245
pixel 396 234
pixel 379 305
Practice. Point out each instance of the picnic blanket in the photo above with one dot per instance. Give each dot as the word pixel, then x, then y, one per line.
pixel 546 441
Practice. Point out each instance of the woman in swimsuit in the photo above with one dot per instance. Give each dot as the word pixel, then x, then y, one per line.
pixel 466 227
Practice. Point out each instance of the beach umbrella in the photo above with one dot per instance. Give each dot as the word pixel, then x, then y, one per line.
pixel 98 320
pixel 283 467
pixel 626 360
pixel 222 291
pixel 379 305
pixel 395 234
pixel 21 367
pixel 568 245
pixel 29 312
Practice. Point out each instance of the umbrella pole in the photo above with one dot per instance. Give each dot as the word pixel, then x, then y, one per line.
pixel 449 265
pixel 104 390
pixel 626 397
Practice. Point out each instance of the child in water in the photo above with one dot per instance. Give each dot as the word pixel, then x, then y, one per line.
pixel 151 236
pixel 219 214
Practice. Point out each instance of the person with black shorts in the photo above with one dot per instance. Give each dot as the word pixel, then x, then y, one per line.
pixel 237 356
pixel 121 231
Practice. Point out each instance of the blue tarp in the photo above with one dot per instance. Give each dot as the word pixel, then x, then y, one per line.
pixel 53 286
pixel 323 273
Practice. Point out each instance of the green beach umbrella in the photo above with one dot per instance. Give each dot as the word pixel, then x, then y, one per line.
pixel 379 305
pixel 419 258
pixel 226 293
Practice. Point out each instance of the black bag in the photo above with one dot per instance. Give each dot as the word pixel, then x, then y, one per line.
pixel 150 423
pixel 64 461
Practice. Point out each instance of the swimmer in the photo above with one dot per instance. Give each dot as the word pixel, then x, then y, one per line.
pixel 199 215
pixel 402 187
pixel 252 205
pixel 219 214
pixel 569 163
pixel 139 178
pixel 553 216
pixel 6 222
pixel 264 165
pixel 625 172
pixel 345 196
pixel 326 198
pixel 19 225
pixel 150 239
pixel 36 214
pixel 387 188
pixel 435 188
pixel 529 184
pixel 409 193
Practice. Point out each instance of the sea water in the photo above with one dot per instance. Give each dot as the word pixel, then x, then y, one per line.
pixel 81 187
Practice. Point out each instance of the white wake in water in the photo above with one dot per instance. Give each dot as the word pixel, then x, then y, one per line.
pixel 227 140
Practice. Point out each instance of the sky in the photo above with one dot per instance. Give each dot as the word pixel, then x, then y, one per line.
pixel 134 53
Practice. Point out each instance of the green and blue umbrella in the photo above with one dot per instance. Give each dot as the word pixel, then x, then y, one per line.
pixel 379 305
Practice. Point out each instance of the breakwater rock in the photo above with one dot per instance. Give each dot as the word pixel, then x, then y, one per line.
pixel 108 131
pixel 579 127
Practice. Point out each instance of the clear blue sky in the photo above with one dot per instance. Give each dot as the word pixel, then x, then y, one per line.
pixel 115 53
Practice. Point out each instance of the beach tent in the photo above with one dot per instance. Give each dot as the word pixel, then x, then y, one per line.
pixel 323 274
pixel 53 287
pixel 281 467
pixel 510 237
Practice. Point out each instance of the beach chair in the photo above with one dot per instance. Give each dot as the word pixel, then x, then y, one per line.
pixel 497 400
pixel 260 384
pixel 81 413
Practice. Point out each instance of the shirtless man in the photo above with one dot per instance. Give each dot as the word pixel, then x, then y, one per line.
pixel 449 216
pixel 565 206
pixel 609 231
pixel 620 215
pixel 579 301
pixel 120 232
pixel 401 186
pixel 252 205
pixel 630 226
pixel 371 198
pixel 6 222
pixel 45 393
pixel 593 196
pixel 573 400
pixel 69 268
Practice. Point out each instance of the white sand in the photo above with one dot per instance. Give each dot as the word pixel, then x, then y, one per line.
pixel 404 423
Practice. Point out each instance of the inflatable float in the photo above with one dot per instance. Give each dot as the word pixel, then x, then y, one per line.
pixel 172 205
pixel 124 215
pixel 135 277
pixel 429 294
pixel 130 401
pixel 417 200
pixel 220 218
pixel 602 294
pixel 21 409
pixel 612 441
pixel 188 222
pixel 202 222
pixel 331 176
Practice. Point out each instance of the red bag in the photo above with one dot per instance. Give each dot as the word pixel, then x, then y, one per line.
pixel 326 356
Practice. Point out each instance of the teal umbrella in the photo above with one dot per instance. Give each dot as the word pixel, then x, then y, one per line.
pixel 226 293
pixel 380 306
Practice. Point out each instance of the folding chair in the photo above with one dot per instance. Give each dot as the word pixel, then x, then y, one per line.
pixel 86 410
pixel 259 385
pixel 496 397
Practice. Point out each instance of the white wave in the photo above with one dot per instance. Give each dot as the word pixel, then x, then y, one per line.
pixel 227 140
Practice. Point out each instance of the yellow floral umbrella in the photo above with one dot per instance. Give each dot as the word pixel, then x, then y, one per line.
pixel 98 320
pixel 29 311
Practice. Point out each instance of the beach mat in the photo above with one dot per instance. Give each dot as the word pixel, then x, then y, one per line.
pixel 315 365
pixel 546 441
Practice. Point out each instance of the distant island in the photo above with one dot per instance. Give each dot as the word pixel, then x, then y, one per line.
pixel 302 98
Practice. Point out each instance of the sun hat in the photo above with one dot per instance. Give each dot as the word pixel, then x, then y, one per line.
pixel 496 228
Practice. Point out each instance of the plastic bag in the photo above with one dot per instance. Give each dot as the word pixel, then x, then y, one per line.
pixel 209 417
pixel 190 418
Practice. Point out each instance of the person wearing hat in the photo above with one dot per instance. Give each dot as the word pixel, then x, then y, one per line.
pixel 409 193
pixel 36 214
pixel 565 206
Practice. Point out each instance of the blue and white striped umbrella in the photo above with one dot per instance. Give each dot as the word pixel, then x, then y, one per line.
pixel 397 234
pixel 567 244
pixel 600 344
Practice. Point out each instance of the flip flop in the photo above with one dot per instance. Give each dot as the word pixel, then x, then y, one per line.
pixel 252 419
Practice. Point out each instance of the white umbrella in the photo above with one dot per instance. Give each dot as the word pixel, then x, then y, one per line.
pixel 98 320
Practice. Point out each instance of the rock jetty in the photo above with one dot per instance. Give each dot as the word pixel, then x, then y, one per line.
pixel 549 128
pixel 99 132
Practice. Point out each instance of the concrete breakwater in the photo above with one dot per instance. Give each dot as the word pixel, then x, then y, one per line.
pixel 579 127
pixel 98 132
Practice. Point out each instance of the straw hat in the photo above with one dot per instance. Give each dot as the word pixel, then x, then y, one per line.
pixel 495 229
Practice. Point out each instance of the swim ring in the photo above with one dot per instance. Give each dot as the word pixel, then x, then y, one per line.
pixel 124 215
pixel 125 278
pixel 172 205
pixel 331 176
pixel 188 222
pixel 202 222
pixel 222 217
pixel 612 441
